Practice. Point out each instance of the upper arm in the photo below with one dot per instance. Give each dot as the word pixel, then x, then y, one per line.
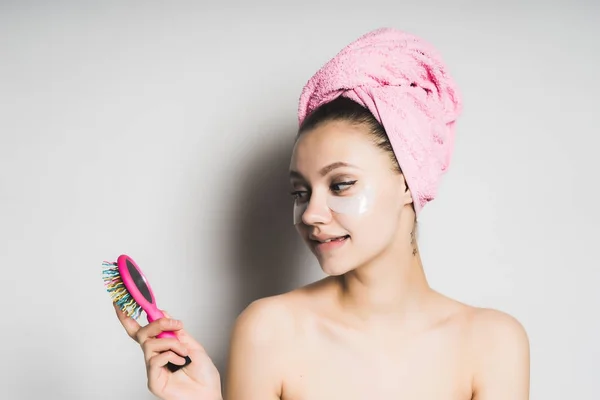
pixel 255 356
pixel 501 357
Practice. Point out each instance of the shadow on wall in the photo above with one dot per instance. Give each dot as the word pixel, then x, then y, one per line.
pixel 265 245
pixel 266 242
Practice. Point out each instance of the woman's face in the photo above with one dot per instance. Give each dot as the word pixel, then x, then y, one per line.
pixel 348 199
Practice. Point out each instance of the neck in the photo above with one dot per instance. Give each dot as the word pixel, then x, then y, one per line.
pixel 390 287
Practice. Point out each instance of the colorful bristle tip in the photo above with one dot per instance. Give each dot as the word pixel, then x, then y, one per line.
pixel 117 290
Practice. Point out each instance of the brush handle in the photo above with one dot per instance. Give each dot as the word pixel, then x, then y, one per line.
pixel 152 314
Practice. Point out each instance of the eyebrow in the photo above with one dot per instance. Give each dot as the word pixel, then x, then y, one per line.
pixel 325 170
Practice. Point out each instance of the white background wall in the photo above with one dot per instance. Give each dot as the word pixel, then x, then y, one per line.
pixel 163 130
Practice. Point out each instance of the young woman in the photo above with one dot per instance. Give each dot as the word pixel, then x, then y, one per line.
pixel 376 135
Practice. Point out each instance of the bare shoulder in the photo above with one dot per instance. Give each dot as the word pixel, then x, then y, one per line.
pixel 490 327
pixel 497 344
pixel 485 326
pixel 274 321
pixel 258 349
pixel 500 355
pixel 264 320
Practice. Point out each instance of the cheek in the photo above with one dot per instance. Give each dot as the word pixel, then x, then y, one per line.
pixel 373 220
pixel 369 227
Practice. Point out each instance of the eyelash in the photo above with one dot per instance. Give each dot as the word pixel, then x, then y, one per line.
pixel 297 193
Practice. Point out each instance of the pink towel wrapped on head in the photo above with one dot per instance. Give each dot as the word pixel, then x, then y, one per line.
pixel 403 81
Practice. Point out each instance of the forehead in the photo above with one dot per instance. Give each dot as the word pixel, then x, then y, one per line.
pixel 332 142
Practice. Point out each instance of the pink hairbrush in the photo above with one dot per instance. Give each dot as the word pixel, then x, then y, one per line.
pixel 131 292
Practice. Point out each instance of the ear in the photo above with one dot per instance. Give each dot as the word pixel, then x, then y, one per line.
pixel 406 194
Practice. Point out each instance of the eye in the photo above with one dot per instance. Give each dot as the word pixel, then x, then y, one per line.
pixel 341 186
pixel 298 194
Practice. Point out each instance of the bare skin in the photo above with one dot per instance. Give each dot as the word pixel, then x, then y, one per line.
pixel 199 380
pixel 373 329
pixel 300 346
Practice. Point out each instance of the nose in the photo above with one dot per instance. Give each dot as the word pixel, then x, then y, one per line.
pixel 317 212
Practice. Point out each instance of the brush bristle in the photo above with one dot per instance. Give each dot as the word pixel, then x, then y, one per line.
pixel 118 292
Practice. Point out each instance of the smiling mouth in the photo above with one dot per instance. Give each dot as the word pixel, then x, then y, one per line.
pixel 336 239
pixel 330 243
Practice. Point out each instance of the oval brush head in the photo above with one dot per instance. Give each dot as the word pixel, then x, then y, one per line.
pixel 117 290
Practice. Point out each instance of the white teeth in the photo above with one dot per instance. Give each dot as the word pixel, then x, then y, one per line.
pixel 336 238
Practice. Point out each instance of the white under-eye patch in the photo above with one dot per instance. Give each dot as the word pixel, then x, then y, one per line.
pixel 299 210
pixel 357 204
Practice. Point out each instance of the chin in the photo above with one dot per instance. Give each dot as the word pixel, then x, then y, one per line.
pixel 336 267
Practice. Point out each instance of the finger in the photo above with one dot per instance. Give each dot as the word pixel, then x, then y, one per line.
pixel 154 346
pixel 131 326
pixel 186 338
pixel 181 333
pixel 189 341
pixel 158 362
pixel 154 328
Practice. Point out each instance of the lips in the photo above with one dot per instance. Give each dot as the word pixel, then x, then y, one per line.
pixel 329 244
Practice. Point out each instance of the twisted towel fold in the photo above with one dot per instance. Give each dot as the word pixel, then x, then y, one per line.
pixel 403 81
